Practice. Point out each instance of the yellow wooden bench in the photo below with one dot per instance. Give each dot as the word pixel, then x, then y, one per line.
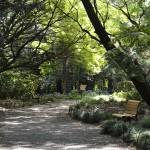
pixel 130 111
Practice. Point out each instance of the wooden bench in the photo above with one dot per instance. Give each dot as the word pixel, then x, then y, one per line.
pixel 130 111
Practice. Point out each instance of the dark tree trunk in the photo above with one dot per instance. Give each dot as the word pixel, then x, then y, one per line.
pixel 64 76
pixel 110 85
pixel 142 86
pixel 59 86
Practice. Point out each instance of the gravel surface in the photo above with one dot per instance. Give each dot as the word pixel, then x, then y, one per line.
pixel 48 127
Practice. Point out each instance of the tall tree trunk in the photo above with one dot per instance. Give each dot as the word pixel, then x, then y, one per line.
pixel 141 85
pixel 110 85
pixel 64 76
pixel 59 86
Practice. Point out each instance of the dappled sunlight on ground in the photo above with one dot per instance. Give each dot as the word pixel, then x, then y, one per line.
pixel 48 127
pixel 106 97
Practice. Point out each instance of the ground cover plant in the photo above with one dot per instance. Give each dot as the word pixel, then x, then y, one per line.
pixel 17 103
pixel 130 133
pixel 94 108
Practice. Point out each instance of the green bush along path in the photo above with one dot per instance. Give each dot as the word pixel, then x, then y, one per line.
pixel 48 127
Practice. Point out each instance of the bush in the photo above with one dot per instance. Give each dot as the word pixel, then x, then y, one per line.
pixel 114 128
pixel 74 94
pixel 107 126
pixel 125 86
pixel 127 95
pixel 126 90
pixel 44 99
pixel 119 128
pixel 143 142
pixel 17 85
pixel 87 115
pixel 132 135
pixel 76 114
pixel 140 138
pixel 11 103
pixel 101 116
pixel 145 122
pixel 97 116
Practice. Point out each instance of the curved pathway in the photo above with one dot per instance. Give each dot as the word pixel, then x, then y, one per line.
pixel 48 127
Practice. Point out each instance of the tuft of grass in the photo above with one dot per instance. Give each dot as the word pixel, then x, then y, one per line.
pixel 143 142
pixel 132 135
pixel 87 115
pixel 107 126
pixel 11 103
pixel 114 128
pixel 119 128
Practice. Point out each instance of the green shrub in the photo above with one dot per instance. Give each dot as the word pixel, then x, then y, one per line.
pixel 126 90
pixel 84 116
pixel 45 99
pixel 71 108
pixel 140 138
pixel 94 116
pixel 126 86
pixel 127 136
pixel 89 102
pixel 114 128
pixel 145 122
pixel 11 103
pixel 132 135
pixel 143 142
pixel 119 128
pixel 97 116
pixel 17 85
pixel 107 126
pixel 75 114
pixel 74 94
pixel 101 116
pixel 127 95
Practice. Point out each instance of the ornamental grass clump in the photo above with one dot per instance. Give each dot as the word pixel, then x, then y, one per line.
pixel 119 128
pixel 88 115
pixel 114 128
pixel 143 142
pixel 107 126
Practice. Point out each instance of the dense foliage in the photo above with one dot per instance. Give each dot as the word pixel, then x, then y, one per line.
pixel 18 85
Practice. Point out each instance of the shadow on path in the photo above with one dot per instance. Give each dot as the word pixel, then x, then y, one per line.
pixel 48 127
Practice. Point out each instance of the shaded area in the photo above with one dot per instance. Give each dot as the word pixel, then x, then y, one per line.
pixel 49 127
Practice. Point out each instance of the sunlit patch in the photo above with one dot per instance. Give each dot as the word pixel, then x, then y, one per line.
pixel 20 117
pixel 21 148
pixel 36 109
pixel 12 123
pixel 97 97
pixel 112 147
pixel 74 147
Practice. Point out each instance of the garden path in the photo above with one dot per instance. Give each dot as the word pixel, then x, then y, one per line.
pixel 48 127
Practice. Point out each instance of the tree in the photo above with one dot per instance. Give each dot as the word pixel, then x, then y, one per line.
pixel 132 68
pixel 21 24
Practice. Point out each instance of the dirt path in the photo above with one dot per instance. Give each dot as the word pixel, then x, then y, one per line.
pixel 48 127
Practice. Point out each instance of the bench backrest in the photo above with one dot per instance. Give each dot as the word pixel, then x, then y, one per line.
pixel 132 107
